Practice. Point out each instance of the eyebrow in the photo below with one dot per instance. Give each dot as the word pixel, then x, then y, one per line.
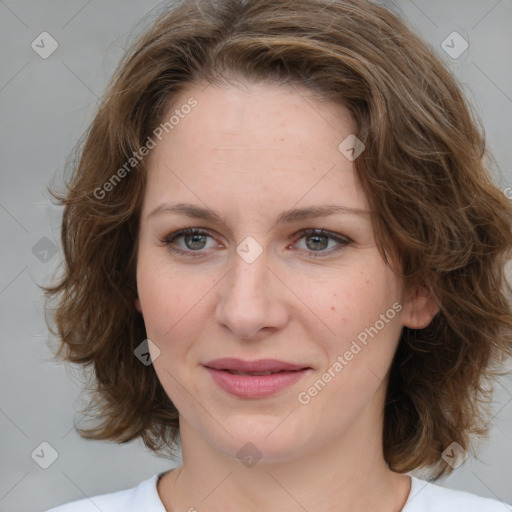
pixel 288 216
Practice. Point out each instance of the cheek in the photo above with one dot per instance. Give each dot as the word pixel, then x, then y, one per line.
pixel 175 304
pixel 163 299
pixel 362 313
pixel 349 300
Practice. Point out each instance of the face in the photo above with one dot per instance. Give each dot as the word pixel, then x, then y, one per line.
pixel 256 282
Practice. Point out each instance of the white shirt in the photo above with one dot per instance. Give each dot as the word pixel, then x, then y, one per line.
pixel 423 497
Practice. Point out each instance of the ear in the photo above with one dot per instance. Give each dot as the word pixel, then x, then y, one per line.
pixel 137 305
pixel 419 309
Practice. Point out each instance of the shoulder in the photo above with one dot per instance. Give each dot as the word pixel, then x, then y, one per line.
pixel 428 497
pixel 142 497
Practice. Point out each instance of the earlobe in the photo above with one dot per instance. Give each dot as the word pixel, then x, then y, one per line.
pixel 419 309
pixel 137 305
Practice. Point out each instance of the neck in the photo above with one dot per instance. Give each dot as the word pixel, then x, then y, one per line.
pixel 345 475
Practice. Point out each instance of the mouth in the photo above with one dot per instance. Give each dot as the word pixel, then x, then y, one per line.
pixel 257 366
pixel 254 379
pixel 236 372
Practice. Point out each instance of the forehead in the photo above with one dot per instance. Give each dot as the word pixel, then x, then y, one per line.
pixel 259 141
pixel 257 111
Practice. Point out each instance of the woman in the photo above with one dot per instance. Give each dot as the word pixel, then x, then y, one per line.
pixel 284 254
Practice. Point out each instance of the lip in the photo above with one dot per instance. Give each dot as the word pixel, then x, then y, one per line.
pixel 254 386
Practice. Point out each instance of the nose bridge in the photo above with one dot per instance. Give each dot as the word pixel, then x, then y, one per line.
pixel 248 280
pixel 248 299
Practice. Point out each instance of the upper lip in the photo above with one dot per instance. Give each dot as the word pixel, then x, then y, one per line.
pixel 257 365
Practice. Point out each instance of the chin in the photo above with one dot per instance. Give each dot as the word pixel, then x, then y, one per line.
pixel 268 438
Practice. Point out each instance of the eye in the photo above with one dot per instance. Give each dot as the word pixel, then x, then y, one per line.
pixel 194 241
pixel 317 240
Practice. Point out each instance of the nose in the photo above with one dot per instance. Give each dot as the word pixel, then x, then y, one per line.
pixel 252 299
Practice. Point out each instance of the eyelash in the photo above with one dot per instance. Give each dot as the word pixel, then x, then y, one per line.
pixel 342 241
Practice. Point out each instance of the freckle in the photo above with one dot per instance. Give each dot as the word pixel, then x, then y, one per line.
pixel 367 281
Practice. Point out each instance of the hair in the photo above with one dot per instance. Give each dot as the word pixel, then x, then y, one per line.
pixel 435 210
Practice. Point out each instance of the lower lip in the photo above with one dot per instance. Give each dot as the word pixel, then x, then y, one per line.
pixel 255 386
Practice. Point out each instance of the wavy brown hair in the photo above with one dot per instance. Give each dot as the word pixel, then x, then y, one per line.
pixel 436 212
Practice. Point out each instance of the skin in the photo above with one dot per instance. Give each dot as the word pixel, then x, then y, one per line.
pixel 249 152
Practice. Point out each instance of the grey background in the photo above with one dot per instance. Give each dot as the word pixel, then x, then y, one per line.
pixel 45 106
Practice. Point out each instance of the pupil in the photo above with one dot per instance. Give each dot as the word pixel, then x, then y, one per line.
pixel 196 239
pixel 319 245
